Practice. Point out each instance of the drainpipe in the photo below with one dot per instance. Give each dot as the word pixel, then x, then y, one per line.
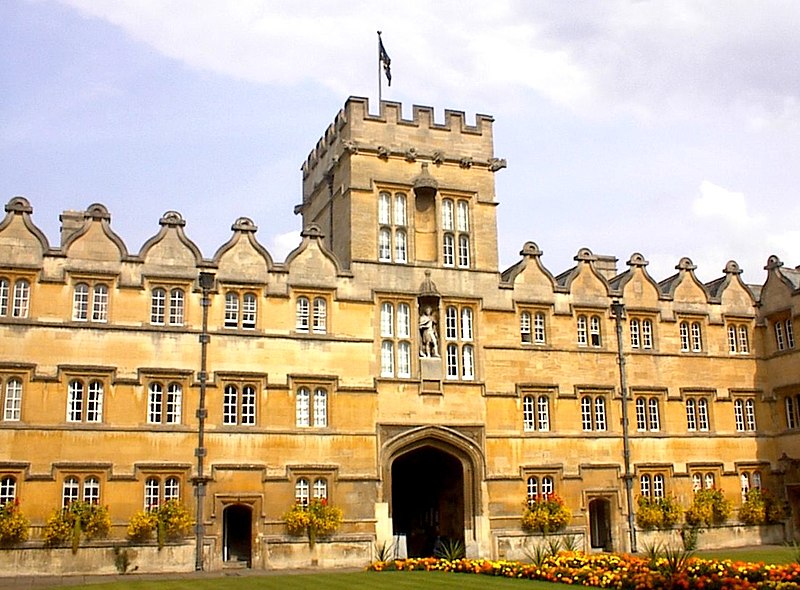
pixel 206 280
pixel 618 309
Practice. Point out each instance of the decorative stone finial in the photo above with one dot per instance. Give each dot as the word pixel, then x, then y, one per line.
pixel 172 219
pixel 244 224
pixel 732 268
pixel 585 255
pixel 773 262
pixel 530 249
pixel 19 205
pixel 637 260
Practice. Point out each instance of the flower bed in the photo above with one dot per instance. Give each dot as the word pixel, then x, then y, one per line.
pixel 625 572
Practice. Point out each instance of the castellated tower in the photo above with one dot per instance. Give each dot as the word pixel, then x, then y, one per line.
pixel 409 191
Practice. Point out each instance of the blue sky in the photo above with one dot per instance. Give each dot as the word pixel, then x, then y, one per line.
pixel 670 128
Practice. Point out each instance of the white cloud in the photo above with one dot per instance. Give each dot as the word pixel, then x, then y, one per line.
pixel 717 202
pixel 783 114
pixel 282 244
pixel 653 59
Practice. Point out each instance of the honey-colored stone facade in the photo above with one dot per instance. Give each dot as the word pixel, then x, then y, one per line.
pixel 316 372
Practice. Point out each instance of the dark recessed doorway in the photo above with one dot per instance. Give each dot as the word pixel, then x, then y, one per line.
pixel 427 499
pixel 600 524
pixel 237 522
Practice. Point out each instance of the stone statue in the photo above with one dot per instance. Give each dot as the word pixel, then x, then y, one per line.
pixel 429 341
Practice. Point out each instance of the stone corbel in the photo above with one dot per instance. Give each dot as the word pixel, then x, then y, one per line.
pixel 350 146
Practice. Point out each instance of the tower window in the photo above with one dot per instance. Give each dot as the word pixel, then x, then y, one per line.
pixel 458 333
pixel 456 233
pixel 395 334
pixel 392 227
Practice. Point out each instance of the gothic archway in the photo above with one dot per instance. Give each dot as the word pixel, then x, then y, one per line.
pixel 431 480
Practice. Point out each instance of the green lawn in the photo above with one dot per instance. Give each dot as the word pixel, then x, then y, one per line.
pixel 767 554
pixel 334 581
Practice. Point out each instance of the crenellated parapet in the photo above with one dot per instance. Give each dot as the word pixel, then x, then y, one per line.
pixel 388 135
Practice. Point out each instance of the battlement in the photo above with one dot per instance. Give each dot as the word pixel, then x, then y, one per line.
pixel 423 116
pixel 387 134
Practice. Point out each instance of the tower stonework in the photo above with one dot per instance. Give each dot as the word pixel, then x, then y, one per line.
pixel 362 154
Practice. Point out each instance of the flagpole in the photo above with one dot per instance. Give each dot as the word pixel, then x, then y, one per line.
pixel 380 84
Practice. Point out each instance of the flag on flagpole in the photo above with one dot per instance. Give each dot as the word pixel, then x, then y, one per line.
pixel 384 59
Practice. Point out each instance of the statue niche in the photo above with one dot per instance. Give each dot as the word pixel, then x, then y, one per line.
pixel 430 363
pixel 425 228
pixel 428 331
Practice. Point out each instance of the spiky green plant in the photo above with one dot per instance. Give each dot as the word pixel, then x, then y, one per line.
pixel 449 549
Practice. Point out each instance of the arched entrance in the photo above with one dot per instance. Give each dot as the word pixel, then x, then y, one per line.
pixel 600 523
pixel 427 498
pixel 237 542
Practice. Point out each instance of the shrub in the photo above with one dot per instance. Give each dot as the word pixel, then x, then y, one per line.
pixel 761 507
pixel 709 508
pixel 175 519
pixel 648 514
pixel 67 524
pixel 94 520
pixel 545 514
pixel 170 521
pixel 657 513
pixel 14 525
pixel 317 519
pixel 58 529
pixel 141 525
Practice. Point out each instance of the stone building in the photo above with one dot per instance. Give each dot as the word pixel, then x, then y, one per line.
pixel 387 364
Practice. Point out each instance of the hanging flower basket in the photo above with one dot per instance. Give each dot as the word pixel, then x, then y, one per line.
pixel 316 519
